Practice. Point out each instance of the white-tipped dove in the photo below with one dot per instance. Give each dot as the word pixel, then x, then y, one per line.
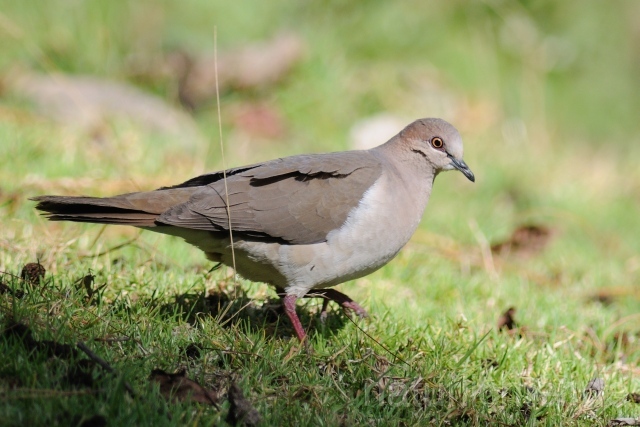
pixel 299 223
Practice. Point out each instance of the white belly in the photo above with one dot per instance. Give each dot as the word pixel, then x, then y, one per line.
pixel 372 235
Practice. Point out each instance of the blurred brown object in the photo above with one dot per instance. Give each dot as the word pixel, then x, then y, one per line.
pixel 252 66
pixel 88 102
pixel 33 272
pixel 595 388
pixel 178 388
pixel 526 240
pixel 609 294
pixel 259 119
pixel 507 320
pixel 241 412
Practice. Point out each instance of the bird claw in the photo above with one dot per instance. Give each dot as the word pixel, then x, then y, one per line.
pixel 347 306
pixel 356 308
pixel 324 313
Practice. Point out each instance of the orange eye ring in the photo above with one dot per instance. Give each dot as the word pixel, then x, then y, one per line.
pixel 437 142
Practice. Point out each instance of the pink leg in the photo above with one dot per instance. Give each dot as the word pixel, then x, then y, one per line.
pixel 289 302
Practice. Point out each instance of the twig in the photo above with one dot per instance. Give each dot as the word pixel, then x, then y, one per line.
pixel 113 339
pixel 30 393
pixel 385 348
pixel 128 242
pixel 104 364
pixel 485 250
pixel 15 276
pixel 95 240
pixel 224 163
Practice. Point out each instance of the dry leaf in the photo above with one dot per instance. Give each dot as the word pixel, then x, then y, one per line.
pixel 507 320
pixel 624 422
pixel 633 397
pixel 241 411
pixel 595 388
pixel 178 388
pixel 525 241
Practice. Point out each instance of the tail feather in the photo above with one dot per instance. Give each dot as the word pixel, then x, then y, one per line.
pixel 136 209
pixel 110 210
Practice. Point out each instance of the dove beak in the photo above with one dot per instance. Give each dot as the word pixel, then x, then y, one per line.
pixel 462 167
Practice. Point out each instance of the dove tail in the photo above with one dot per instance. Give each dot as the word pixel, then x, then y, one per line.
pixel 110 210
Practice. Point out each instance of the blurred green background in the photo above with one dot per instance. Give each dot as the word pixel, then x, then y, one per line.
pixel 566 69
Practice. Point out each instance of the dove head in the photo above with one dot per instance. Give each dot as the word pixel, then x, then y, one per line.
pixel 439 143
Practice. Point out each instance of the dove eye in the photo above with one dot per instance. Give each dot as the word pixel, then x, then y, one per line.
pixel 437 142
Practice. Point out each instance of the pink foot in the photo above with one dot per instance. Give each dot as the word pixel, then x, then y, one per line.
pixel 356 308
pixel 340 298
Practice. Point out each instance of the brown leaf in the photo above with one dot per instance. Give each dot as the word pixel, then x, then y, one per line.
pixel 32 273
pixel 526 240
pixel 624 422
pixel 633 397
pixel 489 363
pixel 610 294
pixel 241 411
pixel 595 388
pixel 507 320
pixel 87 282
pixel 178 388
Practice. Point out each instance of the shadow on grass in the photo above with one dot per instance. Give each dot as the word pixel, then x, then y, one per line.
pixel 229 307
pixel 233 307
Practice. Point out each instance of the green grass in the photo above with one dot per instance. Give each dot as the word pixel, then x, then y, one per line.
pixel 546 97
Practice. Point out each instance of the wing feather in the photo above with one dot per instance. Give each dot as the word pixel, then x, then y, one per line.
pixel 296 199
